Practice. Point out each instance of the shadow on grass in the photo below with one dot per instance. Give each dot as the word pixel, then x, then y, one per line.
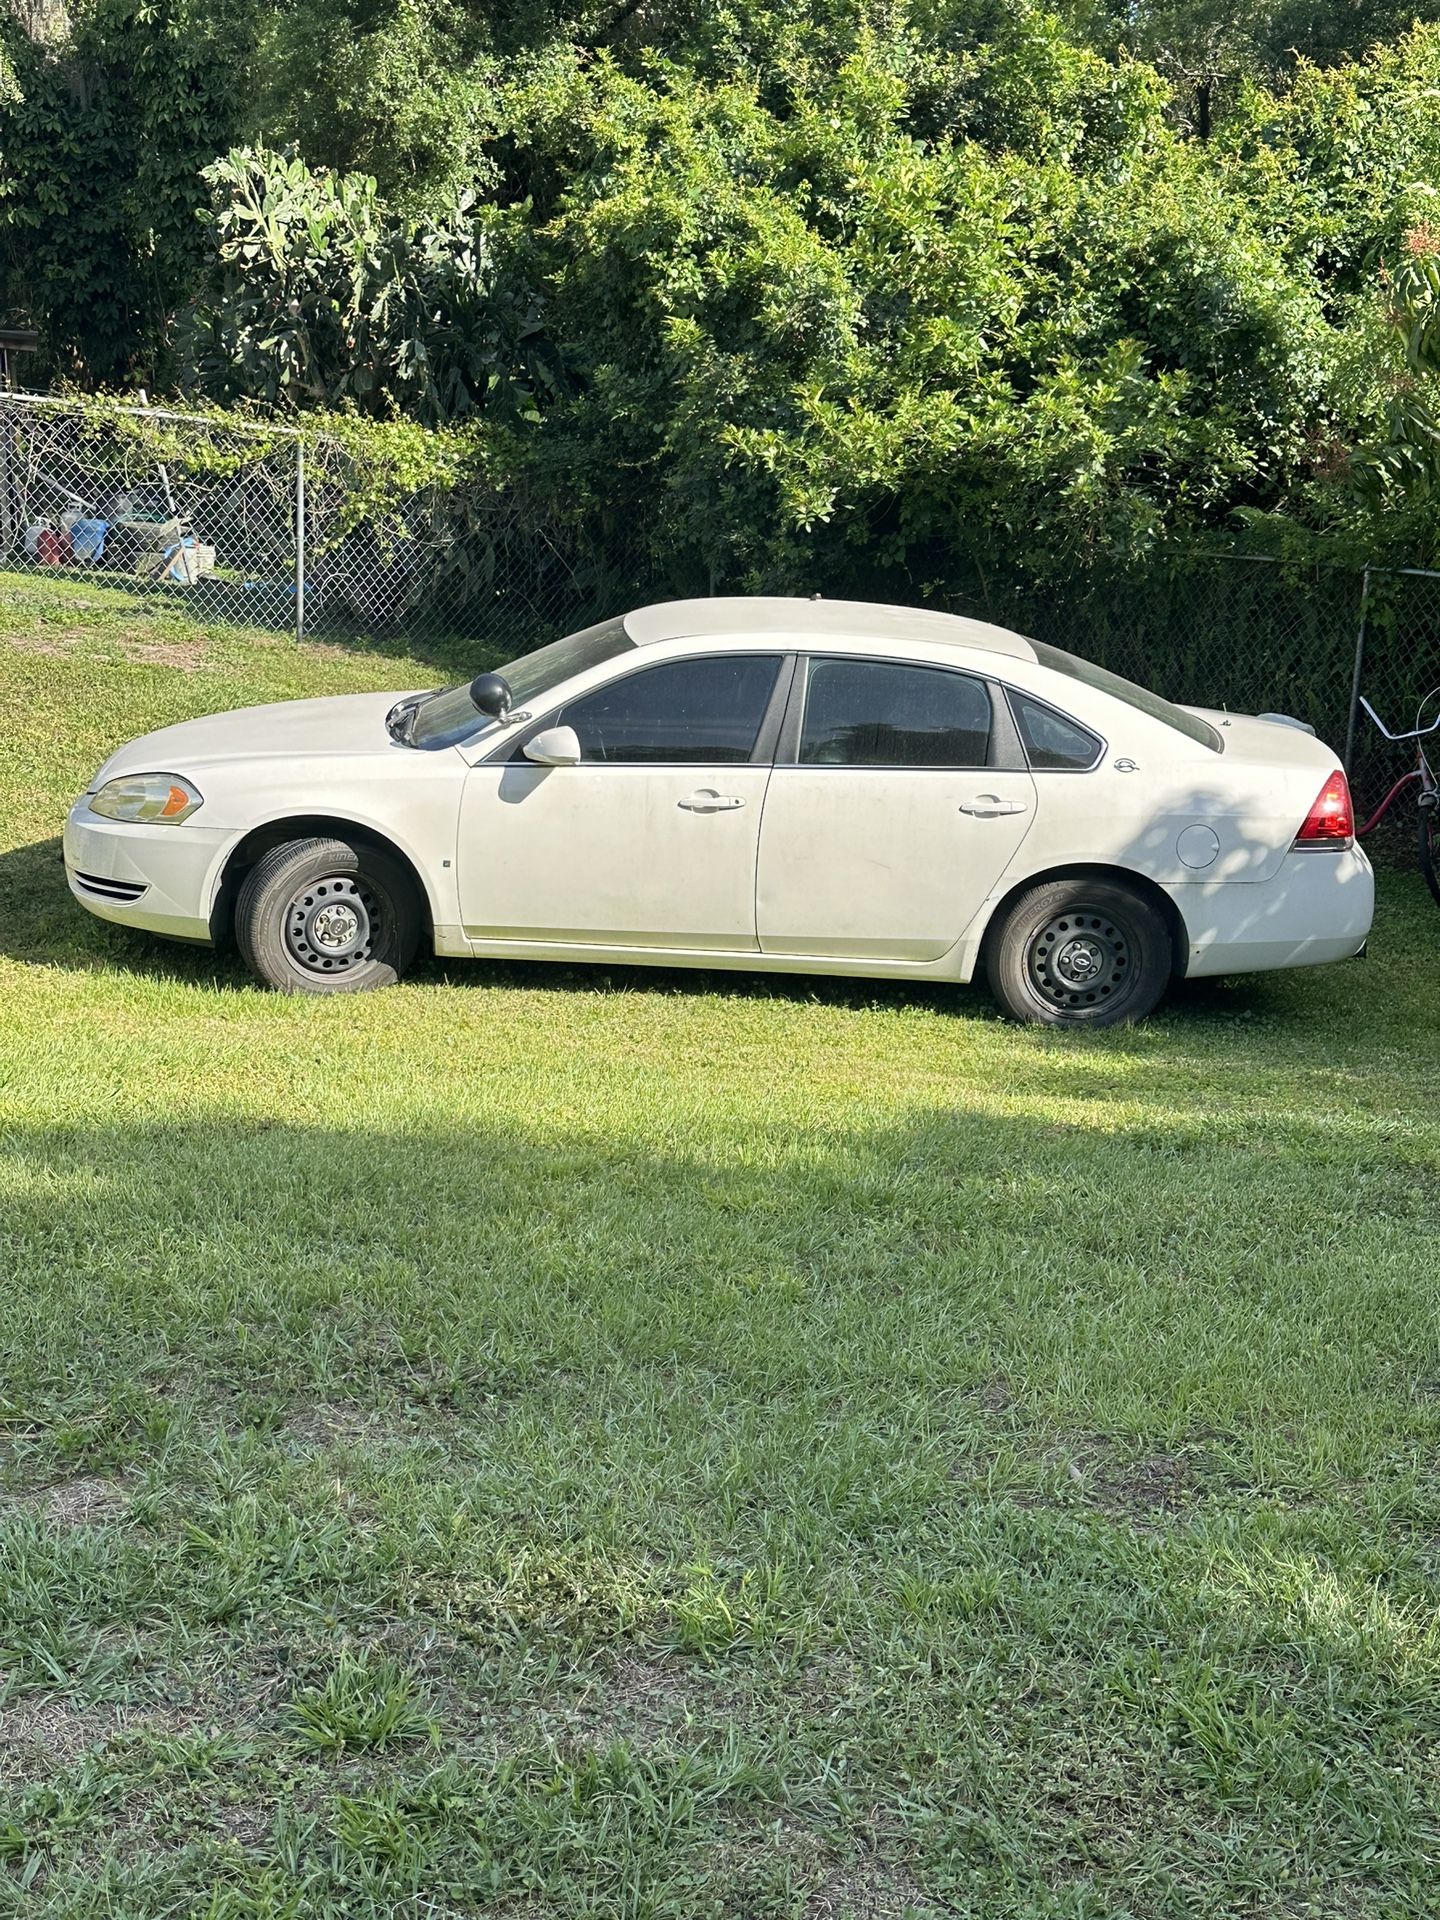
pixel 41 924
pixel 513 1391
pixel 459 1260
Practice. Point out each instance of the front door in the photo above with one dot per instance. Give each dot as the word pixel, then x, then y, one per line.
pixel 649 842
pixel 892 823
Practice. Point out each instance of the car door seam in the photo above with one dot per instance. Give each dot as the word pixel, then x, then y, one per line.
pixel 755 875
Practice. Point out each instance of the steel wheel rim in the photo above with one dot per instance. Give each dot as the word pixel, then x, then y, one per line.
pixel 1081 960
pixel 332 924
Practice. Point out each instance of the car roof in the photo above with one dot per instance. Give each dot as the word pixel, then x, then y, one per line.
pixel 817 619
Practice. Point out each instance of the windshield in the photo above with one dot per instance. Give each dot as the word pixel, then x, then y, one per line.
pixel 444 719
pixel 1089 675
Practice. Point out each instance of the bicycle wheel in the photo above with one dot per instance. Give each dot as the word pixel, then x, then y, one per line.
pixel 1429 838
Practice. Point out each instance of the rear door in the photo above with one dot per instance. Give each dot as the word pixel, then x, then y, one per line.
pixel 899 799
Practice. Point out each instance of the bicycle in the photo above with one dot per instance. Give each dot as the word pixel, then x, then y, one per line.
pixel 1428 801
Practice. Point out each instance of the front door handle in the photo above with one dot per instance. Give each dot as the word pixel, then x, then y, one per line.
pixel 988 806
pixel 708 801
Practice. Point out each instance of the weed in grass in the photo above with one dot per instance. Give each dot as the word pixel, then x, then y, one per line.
pixel 580 1598
pixel 367 1701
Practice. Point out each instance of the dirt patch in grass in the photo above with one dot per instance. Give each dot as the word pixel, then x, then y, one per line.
pixel 188 655
pixel 866 1889
pixel 317 650
pixel 993 1396
pixel 1143 1488
pixel 39 1734
pixel 90 1501
pixel 47 649
pixel 641 1701
pixel 64 642
pixel 245 1826
pixel 50 1731
pixel 828 1683
pixel 321 1424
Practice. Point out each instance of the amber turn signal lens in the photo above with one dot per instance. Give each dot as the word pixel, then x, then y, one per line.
pixel 147 799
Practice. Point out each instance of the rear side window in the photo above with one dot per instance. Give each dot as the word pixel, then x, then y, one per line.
pixel 707 710
pixel 1089 675
pixel 878 713
pixel 1053 742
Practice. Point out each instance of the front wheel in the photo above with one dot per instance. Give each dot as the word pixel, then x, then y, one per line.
pixel 326 916
pixel 1080 953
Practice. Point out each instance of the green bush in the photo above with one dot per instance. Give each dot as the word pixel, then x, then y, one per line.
pixel 895 296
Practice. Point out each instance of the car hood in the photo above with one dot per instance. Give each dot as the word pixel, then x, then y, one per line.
pixel 346 724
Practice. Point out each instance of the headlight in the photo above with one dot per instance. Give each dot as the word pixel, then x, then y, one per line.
pixel 148 797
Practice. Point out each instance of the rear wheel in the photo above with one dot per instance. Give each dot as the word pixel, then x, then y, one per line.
pixel 1430 842
pixel 326 916
pixel 1081 953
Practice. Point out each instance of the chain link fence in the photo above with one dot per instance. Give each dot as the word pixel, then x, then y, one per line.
pixel 1257 636
pixel 153 504
pixel 253 526
pixel 1397 668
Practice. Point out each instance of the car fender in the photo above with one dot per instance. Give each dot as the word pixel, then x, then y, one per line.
pixel 964 957
pixel 423 830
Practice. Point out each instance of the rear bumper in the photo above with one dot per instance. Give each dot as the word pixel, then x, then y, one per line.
pixel 1317 907
pixel 158 878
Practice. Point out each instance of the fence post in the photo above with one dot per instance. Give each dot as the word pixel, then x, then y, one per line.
pixel 299 538
pixel 1356 676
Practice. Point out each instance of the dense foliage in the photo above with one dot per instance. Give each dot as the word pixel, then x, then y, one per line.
pixel 104 124
pixel 863 289
pixel 322 296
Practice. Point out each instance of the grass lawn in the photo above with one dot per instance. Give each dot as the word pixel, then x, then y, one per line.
pixel 548 1443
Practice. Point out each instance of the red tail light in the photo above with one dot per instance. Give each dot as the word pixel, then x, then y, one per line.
pixel 1331 821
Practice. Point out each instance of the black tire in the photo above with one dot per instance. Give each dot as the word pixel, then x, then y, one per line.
pixel 1080 953
pixel 326 916
pixel 1430 846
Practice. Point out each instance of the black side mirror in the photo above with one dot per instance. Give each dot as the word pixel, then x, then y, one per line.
pixel 490 695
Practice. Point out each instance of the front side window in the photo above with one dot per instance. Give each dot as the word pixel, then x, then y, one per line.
pixel 707 711
pixel 1053 742
pixel 880 713
pixel 445 718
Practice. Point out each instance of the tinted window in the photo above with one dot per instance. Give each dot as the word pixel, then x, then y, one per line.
pixel 1070 664
pixel 1051 741
pixel 870 713
pixel 707 710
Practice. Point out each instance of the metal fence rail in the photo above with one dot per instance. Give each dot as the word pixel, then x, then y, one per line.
pixel 256 526
pixel 153 502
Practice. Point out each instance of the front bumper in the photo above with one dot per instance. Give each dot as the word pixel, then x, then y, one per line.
pixel 159 878
pixel 1317 907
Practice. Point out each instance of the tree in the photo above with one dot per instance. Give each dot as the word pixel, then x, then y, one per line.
pixel 105 121
pixel 320 295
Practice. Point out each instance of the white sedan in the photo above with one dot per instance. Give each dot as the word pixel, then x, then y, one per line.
pixel 799 786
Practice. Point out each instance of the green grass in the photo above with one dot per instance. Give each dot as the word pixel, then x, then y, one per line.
pixel 540 1442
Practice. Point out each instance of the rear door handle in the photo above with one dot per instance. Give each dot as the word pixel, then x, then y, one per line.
pixel 988 806
pixel 708 801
